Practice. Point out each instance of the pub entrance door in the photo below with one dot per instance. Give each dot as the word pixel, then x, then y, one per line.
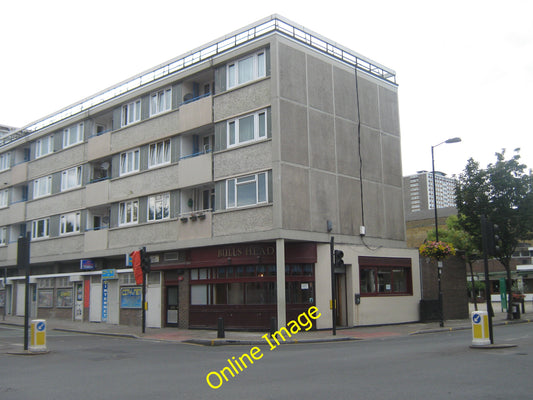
pixel 172 305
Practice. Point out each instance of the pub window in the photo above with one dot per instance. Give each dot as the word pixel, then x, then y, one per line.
pixel 385 278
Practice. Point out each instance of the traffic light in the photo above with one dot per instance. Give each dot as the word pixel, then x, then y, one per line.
pixel 492 236
pixel 145 261
pixel 338 258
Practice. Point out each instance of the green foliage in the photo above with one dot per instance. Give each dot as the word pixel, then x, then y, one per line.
pixel 502 192
pixel 461 240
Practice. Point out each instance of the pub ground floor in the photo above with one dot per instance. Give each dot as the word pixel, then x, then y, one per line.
pixel 249 285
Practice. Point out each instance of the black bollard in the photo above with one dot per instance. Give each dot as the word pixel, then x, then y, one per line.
pixel 220 333
pixel 273 326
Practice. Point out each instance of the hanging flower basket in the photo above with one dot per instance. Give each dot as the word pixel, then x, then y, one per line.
pixel 436 250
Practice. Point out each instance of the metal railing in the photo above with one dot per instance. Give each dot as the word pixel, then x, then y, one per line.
pixel 274 23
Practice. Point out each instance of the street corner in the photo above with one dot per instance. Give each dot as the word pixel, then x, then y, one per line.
pixel 493 346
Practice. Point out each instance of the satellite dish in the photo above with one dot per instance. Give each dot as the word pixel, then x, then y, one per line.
pixel 105 165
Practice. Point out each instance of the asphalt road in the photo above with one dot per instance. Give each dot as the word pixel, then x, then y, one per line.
pixel 429 366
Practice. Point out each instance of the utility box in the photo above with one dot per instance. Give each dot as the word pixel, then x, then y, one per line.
pixel 480 328
pixel 38 335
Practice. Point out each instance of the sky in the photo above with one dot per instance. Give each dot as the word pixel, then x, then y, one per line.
pixel 464 67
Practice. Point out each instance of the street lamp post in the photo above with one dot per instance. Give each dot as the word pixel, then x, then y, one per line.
pixel 439 263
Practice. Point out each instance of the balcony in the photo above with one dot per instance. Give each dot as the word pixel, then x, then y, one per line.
pixel 195 225
pixel 195 169
pixel 19 173
pixel 96 240
pixel 97 193
pixel 195 113
pixel 14 214
pixel 99 146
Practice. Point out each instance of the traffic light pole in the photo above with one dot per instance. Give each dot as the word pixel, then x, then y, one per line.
pixel 333 291
pixel 485 240
pixel 145 275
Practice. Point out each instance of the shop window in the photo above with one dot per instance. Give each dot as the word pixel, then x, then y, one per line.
pixel 198 294
pixel 385 279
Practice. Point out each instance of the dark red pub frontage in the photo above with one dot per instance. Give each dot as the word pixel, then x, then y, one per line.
pixel 238 283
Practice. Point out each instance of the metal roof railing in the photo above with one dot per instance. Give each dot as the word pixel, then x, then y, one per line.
pixel 274 23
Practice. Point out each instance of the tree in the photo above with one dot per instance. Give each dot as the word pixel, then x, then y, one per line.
pixel 462 241
pixel 503 193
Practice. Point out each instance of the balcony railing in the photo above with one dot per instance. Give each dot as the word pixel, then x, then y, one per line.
pixel 274 23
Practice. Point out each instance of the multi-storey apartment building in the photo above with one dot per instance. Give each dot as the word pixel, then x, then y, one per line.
pixel 234 165
pixel 419 196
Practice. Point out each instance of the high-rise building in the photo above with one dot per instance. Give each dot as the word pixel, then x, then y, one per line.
pixel 419 195
pixel 234 165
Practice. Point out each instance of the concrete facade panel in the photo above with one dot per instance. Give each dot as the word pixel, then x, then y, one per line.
pixel 151 181
pixel 294 133
pixel 292 77
pixel 146 132
pixel 96 240
pixel 345 97
pixel 57 248
pixel 322 141
pixel 368 102
pixel 61 160
pixel 99 146
pixel 349 206
pixel 320 81
pixel 388 111
pixel 19 173
pixel 242 100
pixel 15 213
pixel 347 147
pixel 373 203
pixel 241 221
pixel 241 160
pixel 371 154
pixel 322 199
pixel 195 114
pixel 295 202
pixel 392 160
pixel 55 204
pixel 139 235
pixel 394 219
pixel 194 227
pixel 97 193
pixel 195 170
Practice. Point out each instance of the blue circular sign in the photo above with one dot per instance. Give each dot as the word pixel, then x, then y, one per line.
pixel 40 326
pixel 476 318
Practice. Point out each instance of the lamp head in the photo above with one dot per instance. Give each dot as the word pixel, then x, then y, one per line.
pixel 453 140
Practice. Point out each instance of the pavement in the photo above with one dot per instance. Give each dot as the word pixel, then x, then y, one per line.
pixel 209 337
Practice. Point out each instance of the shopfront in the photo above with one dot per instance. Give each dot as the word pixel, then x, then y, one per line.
pixel 239 284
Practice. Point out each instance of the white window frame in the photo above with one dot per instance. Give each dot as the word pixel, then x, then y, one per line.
pixel 234 70
pixel 161 200
pixel 72 218
pixel 159 153
pixel 69 140
pixel 261 190
pixel 44 146
pixel 260 128
pixel 75 172
pixel 131 113
pixel 4 240
pixel 128 212
pixel 4 198
pixel 160 101
pixel 129 162
pixel 5 161
pixel 35 230
pixel 42 187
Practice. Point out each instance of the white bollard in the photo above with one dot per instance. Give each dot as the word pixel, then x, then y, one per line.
pixel 480 328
